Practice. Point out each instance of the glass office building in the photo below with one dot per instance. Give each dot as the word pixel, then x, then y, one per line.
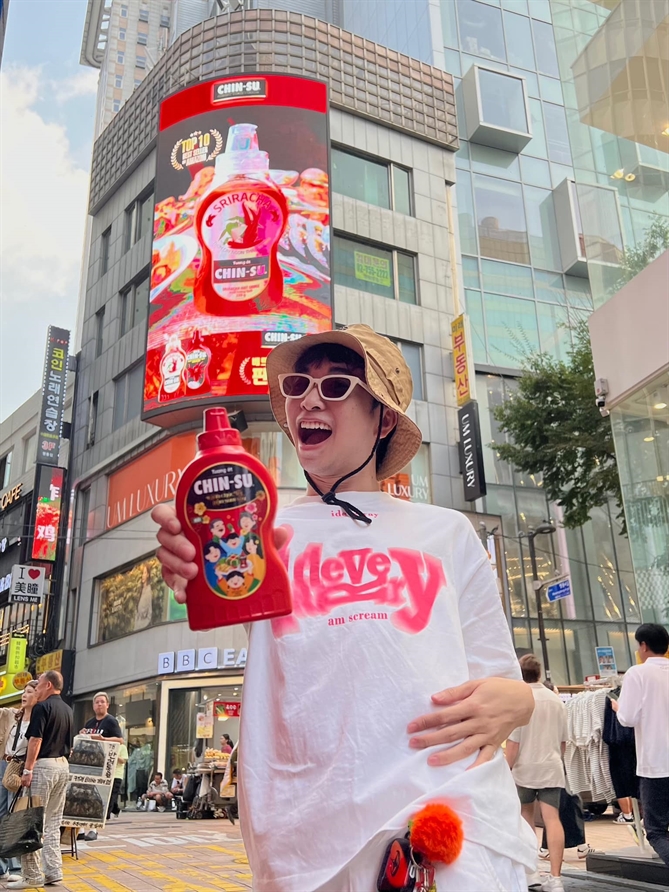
pixel 549 198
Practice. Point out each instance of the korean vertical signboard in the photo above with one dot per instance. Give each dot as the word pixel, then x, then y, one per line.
pixel 462 360
pixel 241 243
pixel 53 395
pixel 46 513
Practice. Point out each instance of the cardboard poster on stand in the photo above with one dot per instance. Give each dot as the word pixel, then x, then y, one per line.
pixel 92 768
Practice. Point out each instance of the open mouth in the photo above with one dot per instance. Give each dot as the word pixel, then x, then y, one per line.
pixel 312 433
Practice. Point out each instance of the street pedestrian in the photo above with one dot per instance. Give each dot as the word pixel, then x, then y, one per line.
pixel 159 792
pixel 534 754
pixel 103 726
pixel 644 705
pixel 226 744
pixel 15 751
pixel 46 775
pixel 393 602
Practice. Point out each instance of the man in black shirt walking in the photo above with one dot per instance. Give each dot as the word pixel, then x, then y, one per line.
pixel 102 726
pixel 47 773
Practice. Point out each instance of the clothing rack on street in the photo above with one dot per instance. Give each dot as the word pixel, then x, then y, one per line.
pixel 586 754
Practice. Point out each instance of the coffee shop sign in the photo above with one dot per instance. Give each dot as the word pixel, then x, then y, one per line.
pixel 202 660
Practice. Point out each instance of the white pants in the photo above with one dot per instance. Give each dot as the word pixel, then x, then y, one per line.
pixel 476 870
pixel 50 780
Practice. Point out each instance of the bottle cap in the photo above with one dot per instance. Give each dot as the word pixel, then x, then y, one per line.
pixel 217 430
pixel 242 154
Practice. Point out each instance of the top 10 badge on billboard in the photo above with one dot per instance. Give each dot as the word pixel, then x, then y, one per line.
pixel 241 242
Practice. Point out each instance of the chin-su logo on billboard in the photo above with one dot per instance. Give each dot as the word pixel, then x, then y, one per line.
pixel 198 148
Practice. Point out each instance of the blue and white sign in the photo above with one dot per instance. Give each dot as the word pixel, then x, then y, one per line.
pixel 558 590
pixel 606 660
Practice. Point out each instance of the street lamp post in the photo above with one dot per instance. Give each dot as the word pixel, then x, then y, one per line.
pixel 547 529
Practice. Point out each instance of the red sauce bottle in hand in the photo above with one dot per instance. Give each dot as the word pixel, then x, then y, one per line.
pixel 226 503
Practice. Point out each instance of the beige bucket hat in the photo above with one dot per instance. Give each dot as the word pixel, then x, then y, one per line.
pixel 386 373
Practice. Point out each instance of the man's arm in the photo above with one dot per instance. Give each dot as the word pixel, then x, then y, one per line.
pixel 34 747
pixel 629 702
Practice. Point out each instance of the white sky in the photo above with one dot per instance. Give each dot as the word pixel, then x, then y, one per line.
pixel 47 107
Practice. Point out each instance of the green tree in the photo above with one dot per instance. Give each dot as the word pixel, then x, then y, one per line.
pixel 557 431
pixel 655 240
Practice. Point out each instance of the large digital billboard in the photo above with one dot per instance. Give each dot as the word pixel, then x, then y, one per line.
pixel 46 512
pixel 241 243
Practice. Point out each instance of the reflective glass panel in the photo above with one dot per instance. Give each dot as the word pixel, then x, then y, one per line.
pixel 576 565
pixel 578 292
pixel 474 304
pixel 511 324
pixel 412 356
pixel 544 44
pixel 466 216
pixel 406 278
pixel 579 639
pixel 542 228
pixel 555 648
pixel 452 62
pixel 602 566
pixel 541 9
pixel 551 90
pixel 448 23
pixel 501 220
pixel 490 392
pixel 554 330
pixel 614 635
pixel 470 271
pixel 535 171
pixel 537 145
pixel 364 267
pixel 507 278
pixel 502 101
pixel 499 500
pixel 481 30
pixel 556 133
pixel 494 161
pixel 519 6
pixel 360 178
pixel 401 190
pixel 519 40
pixel 141 307
pixel 549 287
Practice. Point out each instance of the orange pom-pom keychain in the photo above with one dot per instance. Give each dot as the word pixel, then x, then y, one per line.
pixel 436 833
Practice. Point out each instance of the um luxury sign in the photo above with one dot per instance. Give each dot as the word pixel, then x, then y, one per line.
pixel 471 452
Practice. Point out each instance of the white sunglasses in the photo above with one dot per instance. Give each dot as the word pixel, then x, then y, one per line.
pixel 332 388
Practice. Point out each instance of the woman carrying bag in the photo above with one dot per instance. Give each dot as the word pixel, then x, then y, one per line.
pixel 15 756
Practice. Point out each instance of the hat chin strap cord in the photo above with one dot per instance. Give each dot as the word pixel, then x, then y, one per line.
pixel 331 498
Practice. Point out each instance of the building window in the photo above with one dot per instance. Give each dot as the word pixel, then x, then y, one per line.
pixel 140 62
pixel 500 220
pixel 134 304
pixel 120 58
pixel 29 452
pixel 99 330
pixel 93 400
pixel 519 40
pixel 128 391
pixel 412 354
pixel 6 468
pixel 118 81
pixel 544 43
pixel 165 17
pixel 142 39
pixel 124 12
pixel 121 34
pixel 144 216
pixel 138 81
pixel 374 270
pixel 557 136
pixel 105 244
pixel 83 507
pixel 481 30
pixel 144 14
pixel 374 182
pixel 116 105
pixel 502 100
pixel 138 220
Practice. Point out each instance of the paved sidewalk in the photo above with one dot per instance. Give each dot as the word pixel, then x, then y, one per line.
pixel 147 852
pixel 142 852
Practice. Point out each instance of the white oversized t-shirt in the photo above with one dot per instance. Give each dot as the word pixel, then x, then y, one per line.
pixel 384 616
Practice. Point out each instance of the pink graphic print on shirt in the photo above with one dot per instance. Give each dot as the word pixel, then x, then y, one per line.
pixel 402 578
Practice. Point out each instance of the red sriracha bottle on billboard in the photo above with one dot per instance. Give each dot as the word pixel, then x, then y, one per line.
pixel 239 224
pixel 197 362
pixel 226 502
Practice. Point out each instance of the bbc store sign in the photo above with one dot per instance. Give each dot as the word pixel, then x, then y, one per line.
pixel 205 659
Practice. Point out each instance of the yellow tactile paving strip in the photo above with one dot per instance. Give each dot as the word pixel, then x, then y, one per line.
pixel 146 853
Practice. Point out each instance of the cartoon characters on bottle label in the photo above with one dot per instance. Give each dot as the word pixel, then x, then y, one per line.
pixel 227 506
